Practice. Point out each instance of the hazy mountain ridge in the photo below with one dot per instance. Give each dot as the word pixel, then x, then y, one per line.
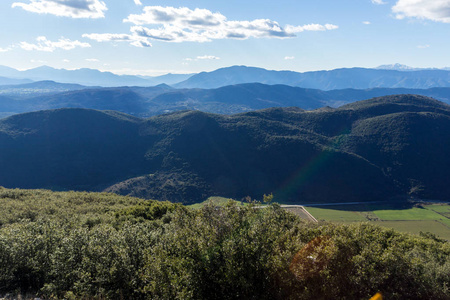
pixel 388 76
pixel 394 146
pixel 357 78
pixel 11 81
pixel 38 88
pixel 88 77
pixel 401 67
pixel 149 101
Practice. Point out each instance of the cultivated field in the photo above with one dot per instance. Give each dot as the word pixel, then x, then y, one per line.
pixel 413 218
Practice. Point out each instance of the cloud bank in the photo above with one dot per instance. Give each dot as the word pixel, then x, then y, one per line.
pixel 48 46
pixel 66 8
pixel 182 24
pixel 435 10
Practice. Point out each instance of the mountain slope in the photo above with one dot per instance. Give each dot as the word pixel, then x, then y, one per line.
pixel 394 146
pixel 68 148
pixel 242 98
pixel 119 99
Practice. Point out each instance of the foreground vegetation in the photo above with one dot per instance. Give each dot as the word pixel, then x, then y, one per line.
pixel 131 249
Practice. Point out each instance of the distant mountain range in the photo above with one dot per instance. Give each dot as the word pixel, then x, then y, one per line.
pixel 388 76
pixel 400 67
pixel 357 78
pixel 378 149
pixel 149 101
pixel 88 77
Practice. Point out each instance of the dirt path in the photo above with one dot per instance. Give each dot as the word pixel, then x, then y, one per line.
pixel 300 211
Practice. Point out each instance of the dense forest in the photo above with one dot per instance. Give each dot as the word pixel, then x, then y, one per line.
pixel 372 150
pixel 68 245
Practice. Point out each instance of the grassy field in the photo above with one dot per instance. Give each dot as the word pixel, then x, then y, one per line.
pixel 411 214
pixel 434 218
pixel 416 227
pixel 333 215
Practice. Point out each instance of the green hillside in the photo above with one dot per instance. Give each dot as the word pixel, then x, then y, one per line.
pixel 385 148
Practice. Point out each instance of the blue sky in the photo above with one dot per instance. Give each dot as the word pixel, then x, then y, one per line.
pixel 151 37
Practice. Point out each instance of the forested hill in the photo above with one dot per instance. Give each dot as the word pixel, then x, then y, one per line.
pixel 377 149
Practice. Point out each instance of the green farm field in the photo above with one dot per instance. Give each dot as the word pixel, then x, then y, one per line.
pixel 433 218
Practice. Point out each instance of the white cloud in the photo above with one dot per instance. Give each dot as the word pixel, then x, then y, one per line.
pixel 289 57
pixel 379 2
pixel 435 10
pixel 169 34
pixel 38 61
pixel 48 46
pixel 208 57
pixel 133 39
pixel 182 24
pixel 66 8
pixel 92 59
pixel 366 23
pixel 137 2
pixel 310 27
pixel 202 57
pixel 182 17
pixel 423 46
pixel 5 49
pixel 103 37
pixel 66 60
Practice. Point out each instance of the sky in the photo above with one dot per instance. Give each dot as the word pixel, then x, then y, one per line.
pixel 151 37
